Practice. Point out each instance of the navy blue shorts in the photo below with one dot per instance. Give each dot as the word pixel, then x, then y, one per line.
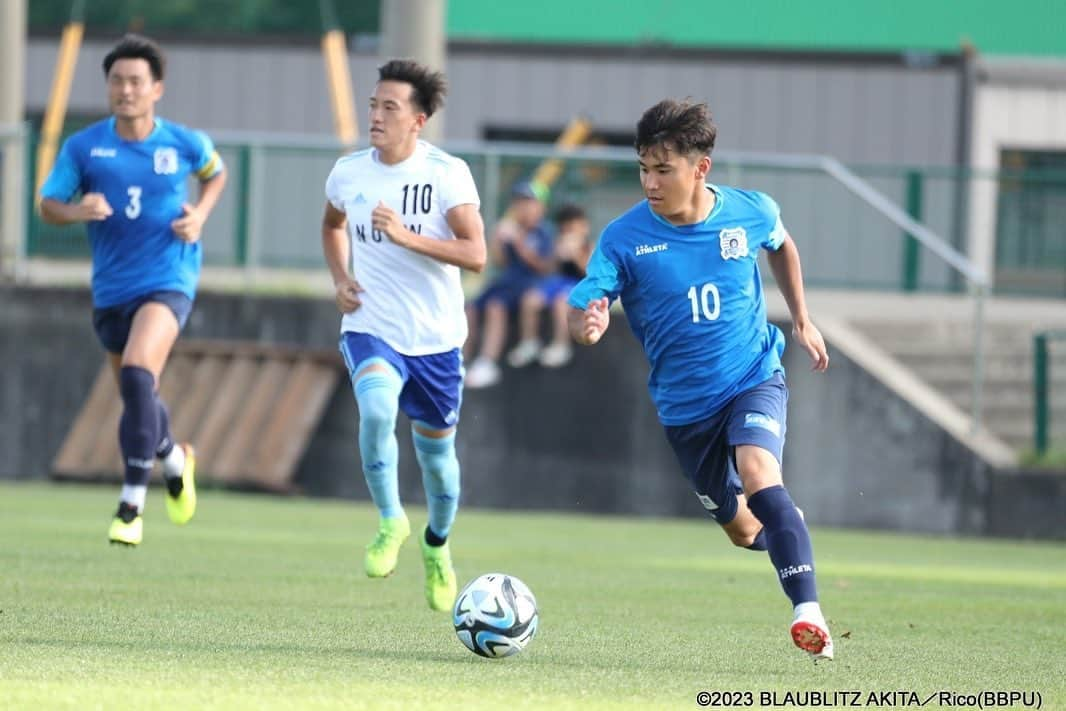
pixel 432 384
pixel 707 449
pixel 112 323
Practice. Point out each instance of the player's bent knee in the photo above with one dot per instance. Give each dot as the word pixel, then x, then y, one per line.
pixel 742 539
pixel 757 468
pixel 743 534
pixel 377 395
pixel 436 455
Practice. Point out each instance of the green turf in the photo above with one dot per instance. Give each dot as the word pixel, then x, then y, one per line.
pixel 260 603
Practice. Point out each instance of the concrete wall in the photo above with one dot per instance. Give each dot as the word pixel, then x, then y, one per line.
pixel 583 439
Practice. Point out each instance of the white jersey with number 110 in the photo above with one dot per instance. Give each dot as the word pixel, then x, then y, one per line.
pixel 412 302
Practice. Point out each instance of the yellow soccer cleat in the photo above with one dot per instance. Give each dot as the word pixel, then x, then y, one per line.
pixel 382 552
pixel 127 528
pixel 440 576
pixel 181 493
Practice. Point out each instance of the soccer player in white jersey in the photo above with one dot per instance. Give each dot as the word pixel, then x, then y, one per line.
pixel 685 264
pixel 403 216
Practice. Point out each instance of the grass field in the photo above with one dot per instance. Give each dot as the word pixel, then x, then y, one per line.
pixel 260 603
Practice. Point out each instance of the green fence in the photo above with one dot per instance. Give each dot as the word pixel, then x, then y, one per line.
pixel 1049 395
pixel 269 214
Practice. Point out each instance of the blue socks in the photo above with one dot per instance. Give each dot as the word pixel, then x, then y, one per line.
pixel 440 477
pixel 788 542
pixel 378 394
pixel 138 430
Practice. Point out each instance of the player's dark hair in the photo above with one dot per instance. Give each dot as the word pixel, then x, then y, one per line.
pixel 427 86
pixel 682 126
pixel 134 46
pixel 569 212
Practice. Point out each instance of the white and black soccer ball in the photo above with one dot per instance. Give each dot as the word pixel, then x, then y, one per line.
pixel 495 615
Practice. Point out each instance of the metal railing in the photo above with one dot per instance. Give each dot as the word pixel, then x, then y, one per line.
pixel 1042 379
pixel 852 231
pixel 15 175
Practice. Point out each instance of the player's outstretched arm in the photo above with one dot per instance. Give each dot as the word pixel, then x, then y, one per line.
pixel 785 264
pixel 587 327
pixel 336 250
pixel 466 251
pixel 92 207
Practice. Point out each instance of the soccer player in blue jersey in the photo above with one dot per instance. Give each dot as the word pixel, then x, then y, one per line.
pixel 684 263
pixel 130 171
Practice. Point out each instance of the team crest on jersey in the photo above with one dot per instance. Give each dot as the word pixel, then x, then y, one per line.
pixel 734 243
pixel 166 161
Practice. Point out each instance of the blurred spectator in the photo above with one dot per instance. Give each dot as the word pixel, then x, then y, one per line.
pixel 571 256
pixel 521 248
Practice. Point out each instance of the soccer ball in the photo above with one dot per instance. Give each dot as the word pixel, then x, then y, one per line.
pixel 495 615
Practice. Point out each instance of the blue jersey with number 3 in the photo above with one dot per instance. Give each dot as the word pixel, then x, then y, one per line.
pixel 693 297
pixel 135 251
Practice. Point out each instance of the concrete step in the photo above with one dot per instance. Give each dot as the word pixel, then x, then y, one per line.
pixel 948 372
pixel 919 340
pixel 941 354
pixel 1004 399
pixel 957 331
pixel 944 375
pixel 1017 354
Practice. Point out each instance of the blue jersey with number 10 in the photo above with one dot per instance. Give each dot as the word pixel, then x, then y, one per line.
pixel 693 297
pixel 135 251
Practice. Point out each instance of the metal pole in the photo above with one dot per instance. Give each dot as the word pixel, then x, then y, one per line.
pixel 964 179
pixel 255 212
pixel 244 207
pixel 414 29
pixel 978 358
pixel 13 145
pixel 1040 392
pixel 491 199
pixel 911 253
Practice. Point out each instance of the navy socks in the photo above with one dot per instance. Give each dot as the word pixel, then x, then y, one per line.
pixel 138 430
pixel 787 541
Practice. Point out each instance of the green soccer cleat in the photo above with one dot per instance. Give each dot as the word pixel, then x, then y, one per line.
pixel 440 576
pixel 382 552
pixel 127 528
pixel 181 493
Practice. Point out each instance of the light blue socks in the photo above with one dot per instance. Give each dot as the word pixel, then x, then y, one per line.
pixel 440 477
pixel 377 394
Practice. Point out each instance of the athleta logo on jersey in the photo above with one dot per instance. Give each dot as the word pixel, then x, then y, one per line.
pixel 643 249
pixel 734 243
pixel 166 161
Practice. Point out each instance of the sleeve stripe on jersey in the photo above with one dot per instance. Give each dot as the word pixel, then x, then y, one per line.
pixel 213 166
pixel 777 235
